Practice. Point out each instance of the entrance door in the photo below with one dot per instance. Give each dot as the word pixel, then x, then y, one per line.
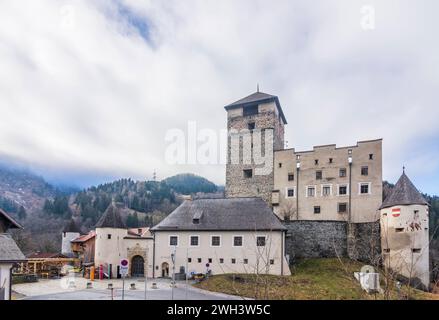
pixel 165 270
pixel 137 266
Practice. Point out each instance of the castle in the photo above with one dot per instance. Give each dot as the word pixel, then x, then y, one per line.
pixel 280 205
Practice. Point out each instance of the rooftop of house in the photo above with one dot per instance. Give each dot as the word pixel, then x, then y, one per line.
pixel 8 221
pixel 243 214
pixel 71 226
pixel 257 97
pixel 9 251
pixel 85 237
pixel 45 255
pixel 404 193
pixel 111 218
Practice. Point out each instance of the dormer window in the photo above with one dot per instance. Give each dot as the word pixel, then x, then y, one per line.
pixel 196 221
pixel 251 126
pixel 250 110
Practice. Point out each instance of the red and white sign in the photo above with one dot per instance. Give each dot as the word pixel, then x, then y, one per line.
pixel 396 212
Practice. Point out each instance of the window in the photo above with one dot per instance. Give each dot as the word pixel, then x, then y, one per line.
pixel 209 260
pixel 365 171
pixel 316 161
pixel 370 156
pixel 173 240
pixel 364 188
pixel 248 173
pixel 316 209
pixel 311 192
pixel 342 207
pixel 386 250
pixel 326 190
pixel 399 229
pixel 233 260
pixel 342 172
pixel 280 164
pixel 416 250
pixel 196 221
pixel 290 193
pixel 251 125
pixel 290 177
pixel 342 190
pixel 199 260
pixel 245 261
pixel 331 160
pixel 271 261
pixel 237 241
pixel 260 241
pixel 108 236
pixel 319 175
pixel 189 260
pixel 215 241
pixel 195 240
pixel 250 110
pixel 221 260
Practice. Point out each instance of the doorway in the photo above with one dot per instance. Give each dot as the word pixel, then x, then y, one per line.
pixel 137 266
pixel 165 270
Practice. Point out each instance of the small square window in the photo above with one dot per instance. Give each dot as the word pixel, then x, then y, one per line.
pixel 416 250
pixel 386 250
pixel 194 241
pixel 319 175
pixel 221 260
pixel 248 173
pixel 173 240
pixel 316 161
pixel 364 188
pixel 342 172
pixel 245 261
pixel 199 260
pixel 233 260
pixel 280 164
pixel 271 261
pixel 290 193
pixel 251 125
pixel 399 229
pixel 237 241
pixel 370 156
pixel 216 241
pixel 260 241
pixel 364 171
pixel 342 207
pixel 342 190
pixel 189 260
pixel 331 160
pixel 316 209
pixel 108 236
pixel 209 260
pixel 290 177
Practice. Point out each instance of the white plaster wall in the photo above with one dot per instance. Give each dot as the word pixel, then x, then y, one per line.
pixel 66 246
pixel 4 277
pixel 147 246
pixel 226 251
pixel 415 235
pixel 110 251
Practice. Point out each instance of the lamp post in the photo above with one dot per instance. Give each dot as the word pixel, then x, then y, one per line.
pixel 350 183
pixel 297 185
pixel 173 273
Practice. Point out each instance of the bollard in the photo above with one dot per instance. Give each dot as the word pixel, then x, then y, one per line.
pixel 110 286
pixel 89 285
pixel 154 285
pixel 132 286
pixel 72 285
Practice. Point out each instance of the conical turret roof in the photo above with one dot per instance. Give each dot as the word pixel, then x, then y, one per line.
pixel 71 226
pixel 404 193
pixel 111 218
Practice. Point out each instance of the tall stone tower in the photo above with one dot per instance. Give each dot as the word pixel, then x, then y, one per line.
pixel 255 126
pixel 405 234
pixel 71 231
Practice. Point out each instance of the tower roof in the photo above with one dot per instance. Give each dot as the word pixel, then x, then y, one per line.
pixel 259 97
pixel 8 221
pixel 111 218
pixel 404 193
pixel 71 226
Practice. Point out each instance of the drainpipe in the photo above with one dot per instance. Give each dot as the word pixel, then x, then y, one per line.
pixel 283 254
pixel 297 186
pixel 153 255
pixel 10 283
pixel 350 188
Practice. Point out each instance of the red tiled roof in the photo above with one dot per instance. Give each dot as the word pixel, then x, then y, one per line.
pixel 85 237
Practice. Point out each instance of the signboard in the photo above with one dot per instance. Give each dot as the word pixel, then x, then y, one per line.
pixel 124 267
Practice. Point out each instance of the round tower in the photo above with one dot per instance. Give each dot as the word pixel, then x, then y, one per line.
pixel 405 234
pixel 71 231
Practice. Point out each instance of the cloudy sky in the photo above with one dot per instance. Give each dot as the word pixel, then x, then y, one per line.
pixel 88 89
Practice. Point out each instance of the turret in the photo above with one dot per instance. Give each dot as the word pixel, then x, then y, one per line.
pixel 405 234
pixel 71 231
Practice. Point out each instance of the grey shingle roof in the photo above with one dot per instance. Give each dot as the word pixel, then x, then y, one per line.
pixel 260 97
pixel 71 226
pixel 111 218
pixel 404 193
pixel 8 221
pixel 222 215
pixel 9 250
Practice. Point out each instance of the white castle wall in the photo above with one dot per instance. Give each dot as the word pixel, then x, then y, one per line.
pixel 66 246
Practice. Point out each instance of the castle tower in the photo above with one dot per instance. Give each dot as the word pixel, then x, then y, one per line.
pixel 255 126
pixel 71 231
pixel 405 234
pixel 109 245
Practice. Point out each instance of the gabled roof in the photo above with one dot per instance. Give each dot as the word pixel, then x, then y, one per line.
pixel 71 226
pixel 85 237
pixel 259 97
pixel 111 218
pixel 8 221
pixel 244 214
pixel 404 193
pixel 9 251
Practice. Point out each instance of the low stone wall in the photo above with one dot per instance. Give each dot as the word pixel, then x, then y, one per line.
pixel 326 239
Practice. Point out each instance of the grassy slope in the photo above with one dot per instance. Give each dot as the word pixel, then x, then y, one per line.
pixel 312 279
